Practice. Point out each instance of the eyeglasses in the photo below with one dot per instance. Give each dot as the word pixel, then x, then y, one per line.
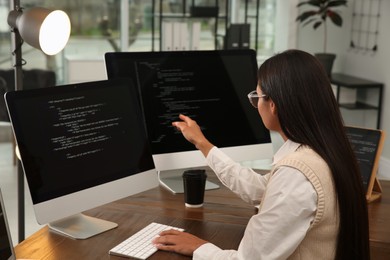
pixel 254 98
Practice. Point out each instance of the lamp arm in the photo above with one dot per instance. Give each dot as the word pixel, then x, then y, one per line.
pixel 16 42
pixel 13 16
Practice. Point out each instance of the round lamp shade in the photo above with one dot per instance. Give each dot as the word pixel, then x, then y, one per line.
pixel 42 28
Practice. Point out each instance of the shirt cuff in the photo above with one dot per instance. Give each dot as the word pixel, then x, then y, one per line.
pixel 205 252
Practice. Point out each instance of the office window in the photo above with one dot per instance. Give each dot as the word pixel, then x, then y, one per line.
pixel 96 28
pixel 265 29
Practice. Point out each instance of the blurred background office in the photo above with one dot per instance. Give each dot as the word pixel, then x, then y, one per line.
pixel 100 26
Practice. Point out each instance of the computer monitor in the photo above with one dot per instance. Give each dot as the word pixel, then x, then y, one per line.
pixel 81 146
pixel 209 86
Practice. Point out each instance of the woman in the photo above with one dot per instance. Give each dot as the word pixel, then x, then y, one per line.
pixel 312 202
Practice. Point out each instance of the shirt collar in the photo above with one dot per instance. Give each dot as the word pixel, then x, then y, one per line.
pixel 287 148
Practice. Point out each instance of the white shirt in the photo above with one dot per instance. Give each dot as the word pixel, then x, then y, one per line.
pixel 286 214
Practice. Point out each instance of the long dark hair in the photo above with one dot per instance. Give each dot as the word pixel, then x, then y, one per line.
pixel 309 114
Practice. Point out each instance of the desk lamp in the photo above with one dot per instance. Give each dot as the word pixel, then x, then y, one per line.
pixel 45 30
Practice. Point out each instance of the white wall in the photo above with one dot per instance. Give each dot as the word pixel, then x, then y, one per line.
pixel 286 27
pixel 369 65
pixel 79 69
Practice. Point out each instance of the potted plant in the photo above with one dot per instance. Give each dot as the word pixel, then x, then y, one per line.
pixel 322 12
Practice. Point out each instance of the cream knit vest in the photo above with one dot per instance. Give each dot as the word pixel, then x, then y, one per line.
pixel 320 240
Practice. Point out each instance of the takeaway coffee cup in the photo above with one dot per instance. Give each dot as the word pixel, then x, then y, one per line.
pixel 194 182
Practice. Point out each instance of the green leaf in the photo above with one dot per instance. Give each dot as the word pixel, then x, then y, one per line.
pixel 316 3
pixel 310 21
pixel 337 3
pixel 317 24
pixel 335 18
pixel 302 17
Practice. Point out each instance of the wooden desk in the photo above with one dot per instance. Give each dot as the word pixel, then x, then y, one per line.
pixel 379 217
pixel 222 221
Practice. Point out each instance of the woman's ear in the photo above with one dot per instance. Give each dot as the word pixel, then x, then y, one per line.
pixel 273 108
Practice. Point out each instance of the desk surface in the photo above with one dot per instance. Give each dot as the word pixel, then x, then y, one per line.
pixel 353 82
pixel 222 221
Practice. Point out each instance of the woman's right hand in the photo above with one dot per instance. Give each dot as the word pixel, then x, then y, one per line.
pixel 192 132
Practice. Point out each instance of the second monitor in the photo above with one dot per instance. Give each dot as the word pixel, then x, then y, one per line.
pixel 209 86
pixel 81 146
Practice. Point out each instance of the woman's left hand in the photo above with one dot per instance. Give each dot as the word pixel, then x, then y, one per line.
pixel 177 241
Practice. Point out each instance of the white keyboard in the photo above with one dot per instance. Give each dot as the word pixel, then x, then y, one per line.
pixel 140 244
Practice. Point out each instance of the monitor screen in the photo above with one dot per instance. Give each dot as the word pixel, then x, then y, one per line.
pixel 209 86
pixel 367 146
pixel 81 145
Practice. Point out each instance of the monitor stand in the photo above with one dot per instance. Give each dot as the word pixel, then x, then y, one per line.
pixel 80 226
pixel 173 181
